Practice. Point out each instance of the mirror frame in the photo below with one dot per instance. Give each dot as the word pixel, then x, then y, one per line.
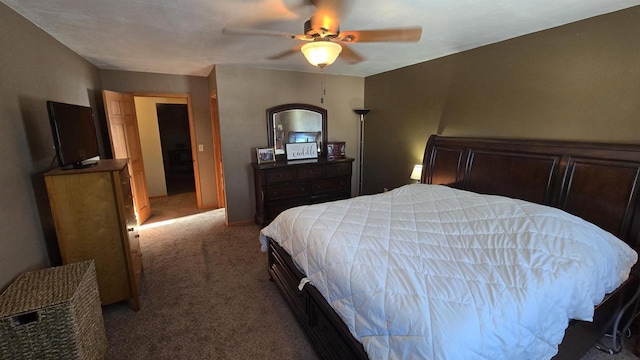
pixel 271 112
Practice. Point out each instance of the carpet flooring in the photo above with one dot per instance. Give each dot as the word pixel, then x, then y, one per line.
pixel 205 294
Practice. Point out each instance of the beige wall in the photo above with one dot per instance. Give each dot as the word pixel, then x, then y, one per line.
pixel 576 82
pixel 150 141
pixel 35 68
pixel 198 88
pixel 244 94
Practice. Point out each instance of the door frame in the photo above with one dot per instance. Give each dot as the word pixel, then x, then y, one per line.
pixel 217 149
pixel 192 134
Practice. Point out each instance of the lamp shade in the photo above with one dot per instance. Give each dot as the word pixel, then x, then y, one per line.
pixel 321 53
pixel 416 174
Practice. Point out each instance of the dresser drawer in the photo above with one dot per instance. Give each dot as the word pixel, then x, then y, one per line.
pixel 136 260
pixel 330 185
pixel 310 172
pixel 283 185
pixel 340 169
pixel 283 191
pixel 276 176
pixel 134 239
pixel 125 182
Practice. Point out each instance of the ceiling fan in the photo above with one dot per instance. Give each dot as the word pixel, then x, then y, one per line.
pixel 324 40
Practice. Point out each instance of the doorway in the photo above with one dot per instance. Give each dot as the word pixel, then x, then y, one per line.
pixel 175 141
pixel 170 162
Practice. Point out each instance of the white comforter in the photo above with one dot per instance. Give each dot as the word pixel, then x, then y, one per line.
pixel 430 272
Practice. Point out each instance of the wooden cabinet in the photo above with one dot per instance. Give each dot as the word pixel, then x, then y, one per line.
pixel 94 218
pixel 283 185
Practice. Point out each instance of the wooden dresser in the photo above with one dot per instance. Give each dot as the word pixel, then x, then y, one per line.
pixel 94 218
pixel 283 185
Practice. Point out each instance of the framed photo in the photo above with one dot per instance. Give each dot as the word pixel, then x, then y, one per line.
pixel 307 150
pixel 336 150
pixel 266 155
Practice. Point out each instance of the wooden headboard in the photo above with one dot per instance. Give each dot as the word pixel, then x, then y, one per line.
pixel 597 182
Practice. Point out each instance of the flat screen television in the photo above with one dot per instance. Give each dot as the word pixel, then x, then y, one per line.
pixel 74 134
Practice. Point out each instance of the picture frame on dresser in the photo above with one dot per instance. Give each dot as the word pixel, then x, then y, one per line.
pixel 336 150
pixel 265 155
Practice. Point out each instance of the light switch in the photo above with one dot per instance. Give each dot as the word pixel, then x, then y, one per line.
pixel 200 147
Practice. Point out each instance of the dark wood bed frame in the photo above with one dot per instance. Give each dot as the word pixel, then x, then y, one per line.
pixel 598 182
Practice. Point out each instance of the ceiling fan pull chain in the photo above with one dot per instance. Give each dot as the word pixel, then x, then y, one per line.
pixel 323 90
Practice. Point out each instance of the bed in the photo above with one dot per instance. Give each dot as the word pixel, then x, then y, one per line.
pixel 594 182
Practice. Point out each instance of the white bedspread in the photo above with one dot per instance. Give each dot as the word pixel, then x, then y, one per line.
pixel 430 272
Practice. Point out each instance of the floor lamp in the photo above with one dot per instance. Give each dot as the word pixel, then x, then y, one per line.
pixel 362 113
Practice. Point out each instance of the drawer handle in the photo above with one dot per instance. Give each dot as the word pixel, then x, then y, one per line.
pixel 137 236
pixel 27 318
pixel 130 229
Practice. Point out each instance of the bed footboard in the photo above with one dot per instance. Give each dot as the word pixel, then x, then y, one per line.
pixel 323 326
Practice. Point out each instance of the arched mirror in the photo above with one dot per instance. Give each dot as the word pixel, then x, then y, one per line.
pixel 296 123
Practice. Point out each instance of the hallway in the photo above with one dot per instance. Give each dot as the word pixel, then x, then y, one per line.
pixel 171 207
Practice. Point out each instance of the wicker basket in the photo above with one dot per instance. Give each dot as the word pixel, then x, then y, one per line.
pixel 53 313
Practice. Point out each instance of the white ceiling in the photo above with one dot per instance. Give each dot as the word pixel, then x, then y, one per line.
pixel 185 36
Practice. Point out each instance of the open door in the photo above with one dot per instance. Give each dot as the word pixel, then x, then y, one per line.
pixel 125 144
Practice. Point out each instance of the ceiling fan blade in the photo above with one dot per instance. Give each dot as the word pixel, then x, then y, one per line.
pixel 296 4
pixel 302 8
pixel 338 7
pixel 288 52
pixel 242 31
pixel 328 14
pixel 349 55
pixel 409 34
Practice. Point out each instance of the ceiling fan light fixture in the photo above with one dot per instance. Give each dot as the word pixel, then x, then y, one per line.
pixel 321 53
